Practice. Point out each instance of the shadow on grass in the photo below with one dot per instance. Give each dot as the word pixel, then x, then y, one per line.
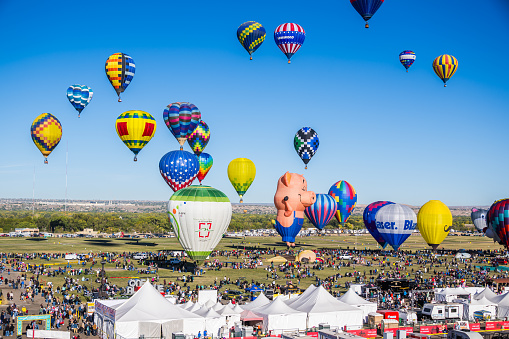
pixel 36 239
pixel 141 243
pixel 101 242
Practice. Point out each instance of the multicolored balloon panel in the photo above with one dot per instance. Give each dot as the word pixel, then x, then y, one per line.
pixel 306 143
pixel 199 138
pixel 135 128
pixel 205 160
pixel 46 133
pixel 395 223
pixel 120 70
pixel 322 211
pixel 181 118
pixel 498 220
pixel 345 196
pixel 289 37
pixel 241 172
pixel 251 35
pixel 79 96
pixel 179 169
pixel 369 220
pixel 445 66
pixel 366 8
pixel 407 58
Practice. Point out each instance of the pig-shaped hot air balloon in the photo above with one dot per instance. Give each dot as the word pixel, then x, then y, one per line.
pixel 291 199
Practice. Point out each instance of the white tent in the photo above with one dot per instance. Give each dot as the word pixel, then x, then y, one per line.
pixel 213 320
pixel 231 316
pixel 478 305
pixel 303 296
pixel 187 305
pixel 353 299
pixel 448 294
pixel 261 300
pixel 503 306
pixel 486 293
pixel 218 306
pixel 210 303
pixel 104 316
pixel 277 316
pixel 147 313
pixel 322 307
pixel 195 307
pixel 237 309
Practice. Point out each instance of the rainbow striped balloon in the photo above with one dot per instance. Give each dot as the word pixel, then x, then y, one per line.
pixel 322 211
pixel 205 160
pixel 345 197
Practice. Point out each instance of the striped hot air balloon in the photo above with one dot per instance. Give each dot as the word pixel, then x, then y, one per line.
pixel 181 118
pixel 289 37
pixel 135 129
pixel 322 211
pixel 445 66
pixel 205 160
pixel 407 58
pixel 120 70
pixel 369 220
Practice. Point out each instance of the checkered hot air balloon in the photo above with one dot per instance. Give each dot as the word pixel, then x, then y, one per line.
pixel 289 37
pixel 181 118
pixel 199 138
pixel 366 8
pixel 407 58
pixel 369 220
pixel 345 197
pixel 445 66
pixel 179 169
pixel 46 133
pixel 306 144
pixel 205 160
pixel 251 35
pixel 79 96
pixel 135 129
pixel 120 70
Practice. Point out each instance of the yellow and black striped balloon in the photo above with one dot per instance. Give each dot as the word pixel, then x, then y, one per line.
pixel 445 66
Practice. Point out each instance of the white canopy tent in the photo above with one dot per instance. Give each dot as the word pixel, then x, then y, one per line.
pixel 503 306
pixel 478 305
pixel 322 307
pixel 213 320
pixel 261 300
pixel 353 299
pixel 104 316
pixel 448 294
pixel 231 316
pixel 277 316
pixel 303 296
pixel 486 293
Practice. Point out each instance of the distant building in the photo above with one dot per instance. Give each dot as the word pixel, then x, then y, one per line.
pixel 87 232
pixel 27 231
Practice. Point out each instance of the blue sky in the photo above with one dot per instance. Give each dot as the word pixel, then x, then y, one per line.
pixel 393 135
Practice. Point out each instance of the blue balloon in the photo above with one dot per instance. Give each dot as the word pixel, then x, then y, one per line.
pixel 322 211
pixel 366 8
pixel 179 169
pixel 395 223
pixel 79 96
pixel 369 220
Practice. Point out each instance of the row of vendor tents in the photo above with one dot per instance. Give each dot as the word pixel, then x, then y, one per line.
pixel 147 313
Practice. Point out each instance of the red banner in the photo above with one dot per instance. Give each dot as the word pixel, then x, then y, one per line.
pixel 474 327
pixel 394 330
pixel 491 325
pixel 431 329
pixel 365 332
pixel 312 334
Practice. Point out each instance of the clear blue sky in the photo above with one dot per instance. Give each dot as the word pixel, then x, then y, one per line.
pixel 393 135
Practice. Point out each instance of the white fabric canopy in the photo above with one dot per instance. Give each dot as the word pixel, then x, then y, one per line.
pixel 277 316
pixel 486 293
pixel 303 296
pixel 449 294
pixel 261 300
pixel 353 299
pixel 478 305
pixel 231 316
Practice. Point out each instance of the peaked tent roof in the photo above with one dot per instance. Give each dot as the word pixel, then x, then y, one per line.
pixel 148 304
pixel 487 293
pixel 237 309
pixel 248 315
pixel 261 300
pixel 321 301
pixel 187 305
pixel 227 311
pixel 483 301
pixel 303 296
pixel 210 303
pixel 502 300
pixel 218 306
pixel 352 298
pixel 278 306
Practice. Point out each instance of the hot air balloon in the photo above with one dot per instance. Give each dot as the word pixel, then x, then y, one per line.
pixel 345 197
pixel 241 172
pixel 435 221
pixel 179 169
pixel 289 37
pixel 306 143
pixel 205 161
pixel 199 216
pixel 407 58
pixel 366 8
pixel 120 70
pixel 135 129
pixel 445 66
pixel 478 217
pixel 181 118
pixel 395 223
pixel 369 220
pixel 251 34
pixel 199 138
pixel 79 96
pixel 46 133
pixel 497 219
pixel 322 211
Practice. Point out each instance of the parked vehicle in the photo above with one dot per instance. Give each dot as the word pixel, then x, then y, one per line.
pixel 463 334
pixel 482 315
pixel 442 311
pixel 140 256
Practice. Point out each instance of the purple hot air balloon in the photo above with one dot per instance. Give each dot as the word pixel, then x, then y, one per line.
pixel 369 220
pixel 322 211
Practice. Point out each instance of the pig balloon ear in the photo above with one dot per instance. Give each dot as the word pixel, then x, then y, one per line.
pixel 474 209
pixel 286 178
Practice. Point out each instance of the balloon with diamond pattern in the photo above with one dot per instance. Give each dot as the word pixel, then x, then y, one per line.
pixel 306 143
pixel 199 138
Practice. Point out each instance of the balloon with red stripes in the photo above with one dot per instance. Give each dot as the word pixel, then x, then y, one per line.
pixel 289 37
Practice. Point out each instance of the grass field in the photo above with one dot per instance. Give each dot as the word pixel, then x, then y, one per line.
pixel 99 245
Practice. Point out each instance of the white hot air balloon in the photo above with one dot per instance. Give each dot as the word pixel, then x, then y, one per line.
pixel 199 216
pixel 395 223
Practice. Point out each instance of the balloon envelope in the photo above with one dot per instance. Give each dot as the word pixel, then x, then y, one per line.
pixel 435 221
pixel 395 223
pixel 79 96
pixel 366 8
pixel 498 220
pixel 199 216
pixel 345 197
pixel 251 35
pixel 120 70
pixel 407 58
pixel 322 211
pixel 135 128
pixel 369 220
pixel 241 172
pixel 445 66
pixel 199 138
pixel 181 118
pixel 478 217
pixel 46 133
pixel 179 169
pixel 289 37
pixel 205 161
pixel 306 143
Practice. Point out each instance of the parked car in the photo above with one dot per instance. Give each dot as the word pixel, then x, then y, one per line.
pixel 140 256
pixel 233 294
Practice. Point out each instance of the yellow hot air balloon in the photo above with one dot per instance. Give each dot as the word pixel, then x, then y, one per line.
pixel 46 133
pixel 241 172
pixel 135 129
pixel 434 221
pixel 445 66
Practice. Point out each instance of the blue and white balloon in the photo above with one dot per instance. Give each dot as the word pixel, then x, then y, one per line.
pixel 79 96
pixel 395 223
pixel 179 169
